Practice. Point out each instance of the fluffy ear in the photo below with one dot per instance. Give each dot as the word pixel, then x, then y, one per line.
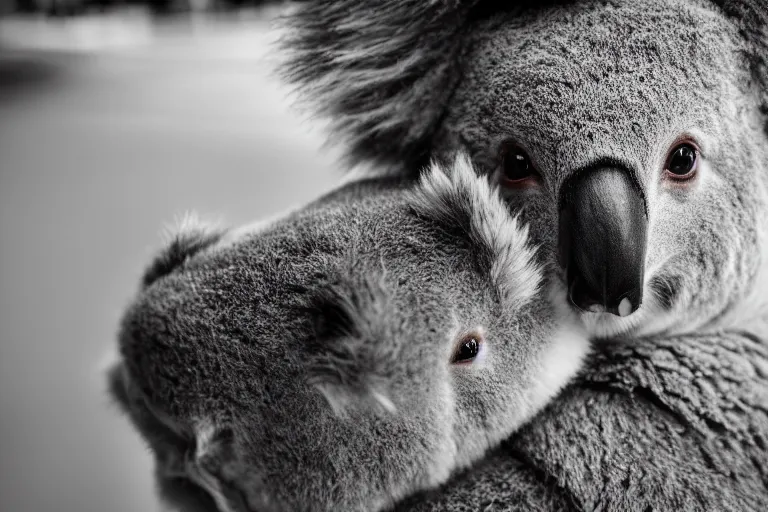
pixel 751 16
pixel 356 348
pixel 458 197
pixel 187 239
pixel 371 66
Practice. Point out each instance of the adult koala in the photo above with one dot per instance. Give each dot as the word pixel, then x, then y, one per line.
pixel 346 356
pixel 632 136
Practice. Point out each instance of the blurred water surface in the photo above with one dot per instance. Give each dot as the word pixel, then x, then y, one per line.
pixel 111 127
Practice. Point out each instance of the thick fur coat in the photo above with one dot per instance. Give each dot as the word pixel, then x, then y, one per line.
pixel 673 412
pixel 358 351
pixel 676 423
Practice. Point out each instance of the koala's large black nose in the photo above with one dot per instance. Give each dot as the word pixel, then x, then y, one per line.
pixel 602 239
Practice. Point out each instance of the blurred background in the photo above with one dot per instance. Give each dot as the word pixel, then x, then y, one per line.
pixel 117 117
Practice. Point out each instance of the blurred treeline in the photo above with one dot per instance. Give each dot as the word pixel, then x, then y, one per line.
pixel 159 7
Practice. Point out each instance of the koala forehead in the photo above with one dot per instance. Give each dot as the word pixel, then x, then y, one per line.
pixel 584 80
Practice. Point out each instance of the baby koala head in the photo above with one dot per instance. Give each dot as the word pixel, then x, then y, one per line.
pixel 351 354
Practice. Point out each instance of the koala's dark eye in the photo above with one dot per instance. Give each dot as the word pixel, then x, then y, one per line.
pixel 468 349
pixel 516 167
pixel 682 162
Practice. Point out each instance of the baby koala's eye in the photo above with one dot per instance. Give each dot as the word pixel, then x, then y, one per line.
pixel 682 162
pixel 468 349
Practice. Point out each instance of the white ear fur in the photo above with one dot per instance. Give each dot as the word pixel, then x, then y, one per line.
pixel 190 224
pixel 189 236
pixel 460 194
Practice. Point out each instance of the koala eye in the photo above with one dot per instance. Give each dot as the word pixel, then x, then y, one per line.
pixel 682 162
pixel 468 349
pixel 516 167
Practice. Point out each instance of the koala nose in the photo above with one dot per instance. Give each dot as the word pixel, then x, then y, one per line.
pixel 602 240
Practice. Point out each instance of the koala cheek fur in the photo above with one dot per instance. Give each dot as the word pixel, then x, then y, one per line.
pixel 310 365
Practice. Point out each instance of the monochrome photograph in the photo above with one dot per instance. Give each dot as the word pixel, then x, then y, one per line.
pixel 383 255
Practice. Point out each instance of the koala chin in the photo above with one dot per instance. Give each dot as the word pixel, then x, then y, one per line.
pixel 355 352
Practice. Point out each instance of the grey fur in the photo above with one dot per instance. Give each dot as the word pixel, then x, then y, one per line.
pixel 677 423
pixel 306 366
pixel 672 415
pixel 369 66
pixel 625 94
pixel 574 83
pixel 384 72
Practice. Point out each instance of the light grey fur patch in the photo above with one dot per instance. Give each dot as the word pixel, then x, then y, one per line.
pixel 460 197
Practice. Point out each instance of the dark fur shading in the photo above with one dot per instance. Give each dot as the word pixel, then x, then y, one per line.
pixel 383 71
pixel 184 245
pixel 357 345
pixel 171 446
pixel 666 290
pixel 751 16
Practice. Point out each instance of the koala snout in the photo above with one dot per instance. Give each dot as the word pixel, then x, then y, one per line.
pixel 602 241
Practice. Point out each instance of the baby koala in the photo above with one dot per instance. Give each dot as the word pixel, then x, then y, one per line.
pixel 348 355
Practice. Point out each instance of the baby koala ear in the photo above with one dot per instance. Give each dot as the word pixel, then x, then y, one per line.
pixel 457 197
pixel 188 238
pixel 356 352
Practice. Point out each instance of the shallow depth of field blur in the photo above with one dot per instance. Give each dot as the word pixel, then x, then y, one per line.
pixel 112 125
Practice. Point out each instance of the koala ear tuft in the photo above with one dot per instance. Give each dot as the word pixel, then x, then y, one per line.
pixel 356 347
pixel 367 66
pixel 184 241
pixel 457 196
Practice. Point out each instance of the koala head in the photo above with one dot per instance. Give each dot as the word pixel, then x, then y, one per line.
pixel 350 354
pixel 630 134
